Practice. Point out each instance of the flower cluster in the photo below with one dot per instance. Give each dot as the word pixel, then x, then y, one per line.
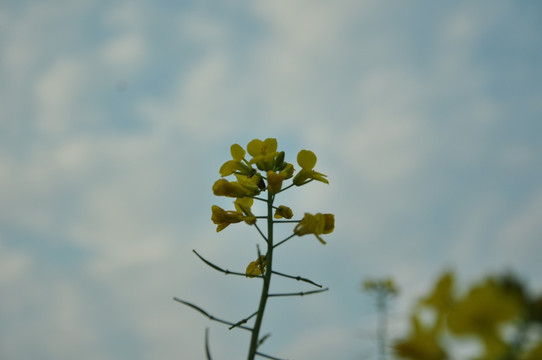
pixel 267 170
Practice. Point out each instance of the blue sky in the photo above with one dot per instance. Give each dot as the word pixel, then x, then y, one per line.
pixel 115 117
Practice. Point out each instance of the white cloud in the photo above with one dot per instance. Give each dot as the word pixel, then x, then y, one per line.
pixel 14 265
pixel 125 53
pixel 58 96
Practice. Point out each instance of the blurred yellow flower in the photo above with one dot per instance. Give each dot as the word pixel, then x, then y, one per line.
pixel 483 310
pixel 382 286
pixel 256 268
pixel 283 212
pixel 421 344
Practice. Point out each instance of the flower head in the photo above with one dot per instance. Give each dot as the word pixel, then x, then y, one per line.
pixel 263 153
pixel 315 224
pixel 306 159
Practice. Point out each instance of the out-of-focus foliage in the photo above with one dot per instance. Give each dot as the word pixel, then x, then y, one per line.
pixel 498 312
pixel 382 287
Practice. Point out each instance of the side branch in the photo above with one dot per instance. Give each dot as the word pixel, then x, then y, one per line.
pixel 298 278
pixel 261 233
pixel 227 272
pixel 283 241
pixel 211 317
pixel 243 321
pixel 300 293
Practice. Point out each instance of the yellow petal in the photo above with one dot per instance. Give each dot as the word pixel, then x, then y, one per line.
pixel 269 146
pixel 319 177
pixel 274 182
pixel 229 167
pixel 306 159
pixel 244 204
pixel 301 177
pixel 237 152
pixel 223 218
pixel 329 223
pixel 254 147
pixel 288 171
pixel 223 187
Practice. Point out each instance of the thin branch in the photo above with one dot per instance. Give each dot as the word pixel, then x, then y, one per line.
pixel 227 272
pixel 265 337
pixel 300 293
pixel 298 278
pixel 285 221
pixel 261 233
pixel 211 317
pixel 283 241
pixel 241 322
pixel 207 351
pixel 286 188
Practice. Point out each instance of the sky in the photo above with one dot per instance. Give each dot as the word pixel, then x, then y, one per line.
pixel 116 116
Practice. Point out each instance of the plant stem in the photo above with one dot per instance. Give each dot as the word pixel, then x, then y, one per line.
pixel 254 340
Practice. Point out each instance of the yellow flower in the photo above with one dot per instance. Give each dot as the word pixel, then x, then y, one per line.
pixel 223 187
pixel 235 167
pixel 483 310
pixel 238 165
pixel 274 181
pixel 263 153
pixel 283 212
pixel 381 286
pixel 224 218
pixel 243 205
pixel 244 186
pixel 287 171
pixel 422 344
pixel 306 159
pixel 256 268
pixel 315 224
pixel 251 183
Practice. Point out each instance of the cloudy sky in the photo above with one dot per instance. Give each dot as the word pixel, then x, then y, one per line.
pixel 115 117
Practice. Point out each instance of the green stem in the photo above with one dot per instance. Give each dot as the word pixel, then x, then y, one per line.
pixel 254 340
